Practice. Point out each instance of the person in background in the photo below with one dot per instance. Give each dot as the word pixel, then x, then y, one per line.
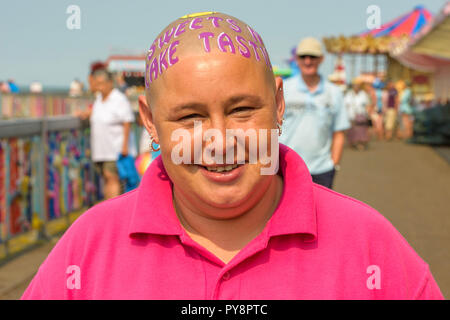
pixel 4 87
pixel 391 110
pixel 13 88
pixel 36 87
pixel 406 110
pixel 76 88
pixel 91 81
pixel 357 103
pixel 315 115
pixel 121 83
pixel 110 118
pixel 376 113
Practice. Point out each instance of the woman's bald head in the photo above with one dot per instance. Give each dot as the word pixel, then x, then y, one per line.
pixel 202 34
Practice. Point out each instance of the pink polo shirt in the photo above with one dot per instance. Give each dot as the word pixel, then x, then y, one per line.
pixel 318 244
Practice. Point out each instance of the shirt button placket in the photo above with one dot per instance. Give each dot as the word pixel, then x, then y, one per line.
pixel 226 276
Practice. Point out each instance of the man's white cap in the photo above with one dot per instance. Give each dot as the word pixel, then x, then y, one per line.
pixel 309 46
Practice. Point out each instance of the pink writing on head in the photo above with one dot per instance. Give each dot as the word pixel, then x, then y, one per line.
pixel 194 24
pixel 255 35
pixel 255 49
pixel 246 51
pixel 172 49
pixel 233 25
pixel 151 52
pixel 205 36
pixel 215 21
pixel 266 57
pixel 153 70
pixel 160 64
pixel 166 38
pixel 224 40
pixel 163 61
pixel 146 74
pixel 180 28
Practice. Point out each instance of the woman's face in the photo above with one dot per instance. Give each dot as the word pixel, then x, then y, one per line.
pixel 217 91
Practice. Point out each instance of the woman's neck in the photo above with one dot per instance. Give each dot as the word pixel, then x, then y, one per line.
pixel 226 237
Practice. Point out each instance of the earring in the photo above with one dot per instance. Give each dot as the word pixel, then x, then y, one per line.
pixel 279 127
pixel 152 147
pixel 280 131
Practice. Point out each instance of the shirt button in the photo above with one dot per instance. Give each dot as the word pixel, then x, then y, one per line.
pixel 226 276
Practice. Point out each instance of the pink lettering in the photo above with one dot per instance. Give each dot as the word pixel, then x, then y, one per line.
pixel 224 40
pixel 172 49
pixel 163 60
pixel 215 21
pixel 205 36
pixel 255 35
pixel 255 49
pixel 150 52
pixel 180 28
pixel 266 57
pixel 194 24
pixel 240 40
pixel 166 38
pixel 153 70
pixel 147 84
pixel 233 25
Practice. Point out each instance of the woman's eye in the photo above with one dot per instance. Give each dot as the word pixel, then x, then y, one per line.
pixel 190 116
pixel 242 109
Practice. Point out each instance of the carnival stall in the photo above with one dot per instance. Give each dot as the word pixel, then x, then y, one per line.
pixel 376 44
pixel 429 51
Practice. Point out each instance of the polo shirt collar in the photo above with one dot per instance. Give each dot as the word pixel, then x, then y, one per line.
pixel 302 85
pixel 153 210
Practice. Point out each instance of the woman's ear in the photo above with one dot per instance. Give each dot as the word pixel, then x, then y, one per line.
pixel 279 98
pixel 147 118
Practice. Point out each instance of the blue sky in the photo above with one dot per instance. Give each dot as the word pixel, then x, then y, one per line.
pixel 36 45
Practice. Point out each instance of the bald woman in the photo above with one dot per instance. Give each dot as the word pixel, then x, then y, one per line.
pixel 226 212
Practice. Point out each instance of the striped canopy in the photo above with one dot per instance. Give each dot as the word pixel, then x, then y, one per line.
pixel 407 24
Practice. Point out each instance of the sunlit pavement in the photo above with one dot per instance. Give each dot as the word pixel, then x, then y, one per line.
pixel 408 184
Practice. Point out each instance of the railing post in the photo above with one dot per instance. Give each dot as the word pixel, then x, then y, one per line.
pixel 43 174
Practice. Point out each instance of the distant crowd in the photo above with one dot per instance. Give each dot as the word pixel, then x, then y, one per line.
pixel 8 86
pixel 384 110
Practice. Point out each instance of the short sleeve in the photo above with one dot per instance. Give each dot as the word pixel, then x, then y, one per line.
pixel 341 119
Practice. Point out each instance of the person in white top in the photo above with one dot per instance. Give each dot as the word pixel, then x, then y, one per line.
pixel 110 118
pixel 357 101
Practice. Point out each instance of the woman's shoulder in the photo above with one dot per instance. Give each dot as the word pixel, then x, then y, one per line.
pixel 108 216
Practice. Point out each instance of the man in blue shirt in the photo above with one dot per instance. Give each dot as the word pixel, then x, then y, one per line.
pixel 315 116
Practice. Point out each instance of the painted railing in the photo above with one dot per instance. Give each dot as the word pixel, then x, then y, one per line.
pixel 47 178
pixel 13 106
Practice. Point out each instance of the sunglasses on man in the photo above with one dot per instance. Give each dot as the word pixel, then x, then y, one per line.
pixel 304 56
